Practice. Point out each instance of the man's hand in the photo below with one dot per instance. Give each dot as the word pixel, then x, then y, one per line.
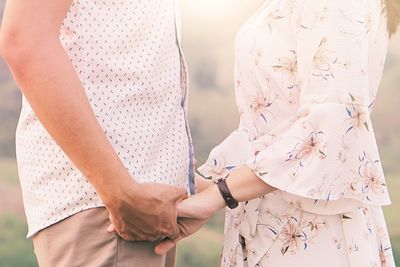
pixel 145 211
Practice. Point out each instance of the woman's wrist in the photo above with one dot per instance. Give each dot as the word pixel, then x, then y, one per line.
pixel 202 183
pixel 216 199
pixel 245 185
pixel 223 188
pixel 202 205
pixel 242 183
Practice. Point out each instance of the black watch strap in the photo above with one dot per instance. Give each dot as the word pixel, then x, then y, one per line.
pixel 226 193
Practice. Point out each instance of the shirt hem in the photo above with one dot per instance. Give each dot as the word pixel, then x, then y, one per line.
pixel 34 231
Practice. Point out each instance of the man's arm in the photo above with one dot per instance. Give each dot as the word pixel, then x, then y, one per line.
pixel 29 43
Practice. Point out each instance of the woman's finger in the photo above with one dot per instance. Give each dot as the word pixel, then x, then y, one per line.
pixel 111 227
pixel 165 246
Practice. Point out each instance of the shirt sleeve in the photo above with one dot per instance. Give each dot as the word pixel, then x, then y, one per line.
pixel 234 151
pixel 329 152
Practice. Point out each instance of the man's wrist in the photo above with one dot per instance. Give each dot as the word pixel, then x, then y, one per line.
pixel 112 189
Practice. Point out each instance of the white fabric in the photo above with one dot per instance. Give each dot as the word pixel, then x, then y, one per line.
pixel 128 59
pixel 307 74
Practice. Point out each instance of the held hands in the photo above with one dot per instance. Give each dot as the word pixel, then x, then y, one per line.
pixel 151 213
pixel 185 228
pixel 193 213
pixel 145 211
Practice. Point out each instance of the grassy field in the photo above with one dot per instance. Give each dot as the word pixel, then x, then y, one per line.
pixel 15 250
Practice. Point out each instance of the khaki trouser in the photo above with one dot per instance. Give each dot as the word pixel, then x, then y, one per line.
pixel 82 240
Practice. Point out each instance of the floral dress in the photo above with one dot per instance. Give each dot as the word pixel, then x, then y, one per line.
pixel 307 74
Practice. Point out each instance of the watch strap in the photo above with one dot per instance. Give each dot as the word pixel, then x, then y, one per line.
pixel 226 193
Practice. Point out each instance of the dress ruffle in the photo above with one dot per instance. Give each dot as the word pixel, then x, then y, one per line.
pixel 309 165
pixel 311 159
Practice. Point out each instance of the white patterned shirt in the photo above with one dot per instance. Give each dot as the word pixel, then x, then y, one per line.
pixel 127 55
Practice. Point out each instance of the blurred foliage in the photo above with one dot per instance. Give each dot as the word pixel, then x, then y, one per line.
pixel 396 249
pixel 392 211
pixel 10 102
pixel 201 250
pixel 15 250
pixel 8 172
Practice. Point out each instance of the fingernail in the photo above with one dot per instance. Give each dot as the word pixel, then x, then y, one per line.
pixel 158 251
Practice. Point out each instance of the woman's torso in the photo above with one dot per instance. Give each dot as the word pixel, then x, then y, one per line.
pixel 273 70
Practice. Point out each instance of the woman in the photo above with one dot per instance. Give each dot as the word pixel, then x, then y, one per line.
pixel 303 163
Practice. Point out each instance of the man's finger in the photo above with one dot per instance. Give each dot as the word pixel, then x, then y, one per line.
pixel 176 233
pixel 138 235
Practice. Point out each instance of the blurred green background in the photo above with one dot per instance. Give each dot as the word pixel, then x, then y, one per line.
pixel 209 28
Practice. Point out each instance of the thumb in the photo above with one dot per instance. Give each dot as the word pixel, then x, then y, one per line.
pixel 165 246
pixel 111 228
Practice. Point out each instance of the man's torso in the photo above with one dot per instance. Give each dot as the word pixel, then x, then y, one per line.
pixel 128 59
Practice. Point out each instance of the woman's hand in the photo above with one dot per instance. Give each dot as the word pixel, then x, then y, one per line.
pixel 186 227
pixel 193 213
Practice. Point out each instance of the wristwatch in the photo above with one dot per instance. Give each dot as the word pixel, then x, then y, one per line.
pixel 223 188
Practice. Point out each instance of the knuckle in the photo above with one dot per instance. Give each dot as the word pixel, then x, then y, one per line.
pixel 164 232
pixel 168 231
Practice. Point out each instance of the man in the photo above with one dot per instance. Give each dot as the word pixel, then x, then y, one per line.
pixel 103 124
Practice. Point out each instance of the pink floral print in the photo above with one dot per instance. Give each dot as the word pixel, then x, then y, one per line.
pixel 307 73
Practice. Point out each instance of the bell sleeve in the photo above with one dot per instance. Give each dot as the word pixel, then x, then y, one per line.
pixel 234 151
pixel 328 151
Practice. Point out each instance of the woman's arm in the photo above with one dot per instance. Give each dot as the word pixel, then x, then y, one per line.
pixel 195 211
pixel 243 184
pixel 327 150
pixel 202 183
